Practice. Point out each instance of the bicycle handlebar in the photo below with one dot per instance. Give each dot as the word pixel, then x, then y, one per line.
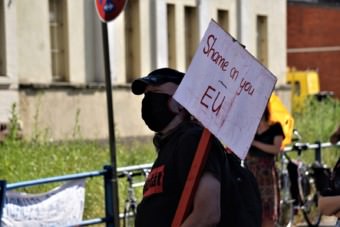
pixel 140 172
pixel 300 146
pixel 307 146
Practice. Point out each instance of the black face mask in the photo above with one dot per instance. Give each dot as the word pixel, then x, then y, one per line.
pixel 155 111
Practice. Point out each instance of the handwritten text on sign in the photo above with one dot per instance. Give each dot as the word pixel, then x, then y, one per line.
pixel 226 89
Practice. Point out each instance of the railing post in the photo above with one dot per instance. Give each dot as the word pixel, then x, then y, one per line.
pixel 318 157
pixel 2 196
pixel 108 187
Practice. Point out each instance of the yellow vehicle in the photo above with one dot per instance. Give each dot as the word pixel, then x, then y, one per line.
pixel 303 84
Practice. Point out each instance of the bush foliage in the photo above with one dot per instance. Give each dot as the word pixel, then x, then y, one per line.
pixel 316 122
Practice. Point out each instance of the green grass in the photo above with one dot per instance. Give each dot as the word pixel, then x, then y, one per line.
pixel 21 161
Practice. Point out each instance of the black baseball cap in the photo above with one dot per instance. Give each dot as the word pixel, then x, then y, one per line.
pixel 156 77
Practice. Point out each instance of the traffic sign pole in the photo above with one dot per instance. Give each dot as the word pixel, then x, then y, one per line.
pixel 107 11
pixel 110 117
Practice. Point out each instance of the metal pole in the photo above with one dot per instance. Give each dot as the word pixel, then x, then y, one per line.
pixel 110 116
pixel 108 186
pixel 2 196
pixel 317 154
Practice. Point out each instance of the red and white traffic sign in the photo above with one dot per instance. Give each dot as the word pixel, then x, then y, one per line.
pixel 109 9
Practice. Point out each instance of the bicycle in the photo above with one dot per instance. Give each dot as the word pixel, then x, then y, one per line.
pixel 130 207
pixel 300 185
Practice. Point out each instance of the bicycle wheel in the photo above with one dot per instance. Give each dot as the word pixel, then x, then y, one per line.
pixel 309 200
pixel 311 212
pixel 129 215
pixel 286 212
pixel 286 217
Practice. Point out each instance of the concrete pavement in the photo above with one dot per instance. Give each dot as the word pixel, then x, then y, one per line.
pixel 326 221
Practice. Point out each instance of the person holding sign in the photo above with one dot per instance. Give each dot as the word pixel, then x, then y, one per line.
pixel 176 139
pixel 260 160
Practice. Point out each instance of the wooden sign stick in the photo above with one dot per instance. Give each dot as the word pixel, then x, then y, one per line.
pixel 192 179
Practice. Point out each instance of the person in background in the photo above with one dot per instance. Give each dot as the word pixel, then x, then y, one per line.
pixel 261 161
pixel 176 139
pixel 329 200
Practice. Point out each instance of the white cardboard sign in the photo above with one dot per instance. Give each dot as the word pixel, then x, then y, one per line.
pixel 226 89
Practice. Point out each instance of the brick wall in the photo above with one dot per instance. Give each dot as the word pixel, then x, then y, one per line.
pixel 315 29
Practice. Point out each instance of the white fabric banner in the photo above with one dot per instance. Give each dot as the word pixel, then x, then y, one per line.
pixel 226 89
pixel 62 206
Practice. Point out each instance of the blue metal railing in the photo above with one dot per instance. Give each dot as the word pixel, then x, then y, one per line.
pixel 108 187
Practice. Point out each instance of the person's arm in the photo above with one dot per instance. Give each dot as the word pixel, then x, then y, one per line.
pixel 206 204
pixel 329 205
pixel 274 148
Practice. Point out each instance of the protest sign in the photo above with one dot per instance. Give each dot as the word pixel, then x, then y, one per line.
pixel 226 89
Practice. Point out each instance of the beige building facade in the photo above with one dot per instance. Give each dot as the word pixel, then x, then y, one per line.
pixel 52 64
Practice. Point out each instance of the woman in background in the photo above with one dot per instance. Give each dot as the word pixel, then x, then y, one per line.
pixel 261 161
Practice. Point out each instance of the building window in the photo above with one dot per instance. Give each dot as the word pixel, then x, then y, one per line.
pixel 191 33
pixel 132 37
pixel 58 39
pixel 2 40
pixel 171 28
pixel 223 19
pixel 262 39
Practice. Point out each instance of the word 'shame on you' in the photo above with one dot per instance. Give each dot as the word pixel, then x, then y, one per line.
pixel 215 56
